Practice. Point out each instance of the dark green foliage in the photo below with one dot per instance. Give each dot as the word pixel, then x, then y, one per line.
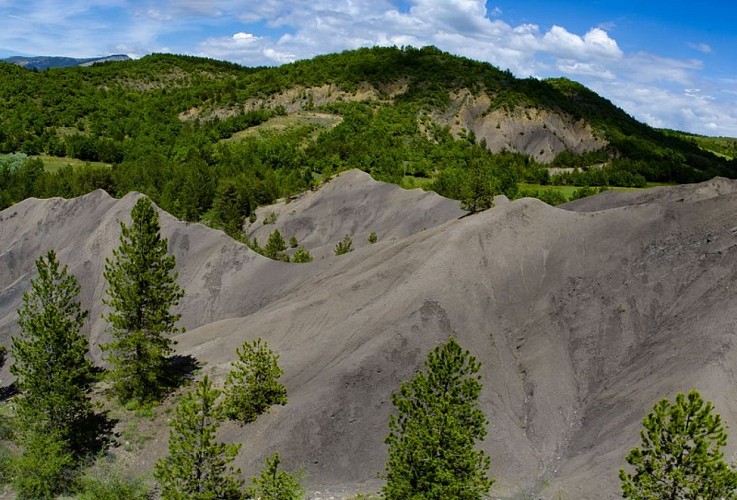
pixel 52 373
pixel 302 255
pixel 274 484
pixel 275 247
pixel 293 242
pixel 481 183
pixel 142 289
pixel 344 246
pixel 197 466
pixel 233 203
pixel 253 383
pixel 680 455
pixel 432 438
pixel 137 116
pixel 373 238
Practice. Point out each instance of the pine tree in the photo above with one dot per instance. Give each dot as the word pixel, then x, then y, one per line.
pixel 198 467
pixel 343 247
pixel 432 438
pixel 680 455
pixel 142 289
pixel 53 377
pixel 301 255
pixel 252 385
pixel 52 374
pixel 480 185
pixel 275 247
pixel 273 484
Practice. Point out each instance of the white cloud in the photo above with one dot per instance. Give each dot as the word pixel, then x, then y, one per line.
pixel 701 47
pixel 270 32
pixel 594 44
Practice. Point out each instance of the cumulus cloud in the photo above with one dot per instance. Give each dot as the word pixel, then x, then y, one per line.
pixel 271 32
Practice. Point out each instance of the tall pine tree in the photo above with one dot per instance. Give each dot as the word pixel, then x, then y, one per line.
pixel 432 438
pixel 142 290
pixel 198 467
pixel 53 377
pixel 680 455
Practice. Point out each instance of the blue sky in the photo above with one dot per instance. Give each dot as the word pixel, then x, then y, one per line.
pixel 671 64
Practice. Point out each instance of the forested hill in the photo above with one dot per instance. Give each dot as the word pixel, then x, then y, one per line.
pixel 45 62
pixel 210 140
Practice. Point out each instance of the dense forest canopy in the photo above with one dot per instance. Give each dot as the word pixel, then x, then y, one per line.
pixel 164 125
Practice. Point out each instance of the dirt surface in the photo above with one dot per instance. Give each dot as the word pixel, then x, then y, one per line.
pixel 583 316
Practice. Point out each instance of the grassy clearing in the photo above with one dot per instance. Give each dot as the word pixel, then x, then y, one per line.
pixel 54 163
pixel 280 124
pixel 412 182
pixel 569 190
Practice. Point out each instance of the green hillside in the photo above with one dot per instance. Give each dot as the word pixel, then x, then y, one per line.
pixel 162 121
pixel 725 147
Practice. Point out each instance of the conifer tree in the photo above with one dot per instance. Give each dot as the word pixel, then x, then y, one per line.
pixel 680 455
pixel 198 467
pixel 275 484
pixel 252 385
pixel 52 373
pixel 53 377
pixel 142 289
pixel 275 247
pixel 432 438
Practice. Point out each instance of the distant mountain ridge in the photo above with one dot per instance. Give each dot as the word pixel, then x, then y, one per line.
pixel 45 62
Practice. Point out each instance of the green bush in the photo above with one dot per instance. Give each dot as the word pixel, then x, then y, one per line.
pixel 109 485
pixel 252 386
pixel 302 255
pixel 344 246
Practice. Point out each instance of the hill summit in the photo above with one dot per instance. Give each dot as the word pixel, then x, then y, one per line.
pixel 46 62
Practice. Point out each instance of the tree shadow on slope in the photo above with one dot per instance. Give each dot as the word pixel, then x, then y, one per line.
pixel 178 372
pixel 95 434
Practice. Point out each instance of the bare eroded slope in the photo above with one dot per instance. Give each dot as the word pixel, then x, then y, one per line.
pixel 583 319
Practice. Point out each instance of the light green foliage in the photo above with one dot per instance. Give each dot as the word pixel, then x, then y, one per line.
pixel 110 485
pixel 46 467
pixel 293 242
pixel 142 289
pixel 273 484
pixel 275 247
pixel 680 455
pixel 52 373
pixel 271 218
pixel 253 383
pixel 197 466
pixel 432 437
pixel 373 238
pixel 344 246
pixel 302 255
